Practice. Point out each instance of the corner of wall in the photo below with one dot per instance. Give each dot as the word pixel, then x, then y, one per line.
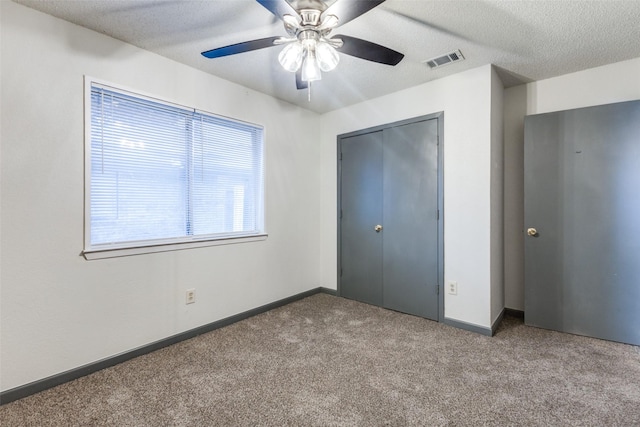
pixel 497 197
pixel 515 108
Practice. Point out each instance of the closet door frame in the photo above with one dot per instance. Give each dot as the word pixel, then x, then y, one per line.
pixel 439 116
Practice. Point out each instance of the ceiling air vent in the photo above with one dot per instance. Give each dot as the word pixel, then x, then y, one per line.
pixel 449 58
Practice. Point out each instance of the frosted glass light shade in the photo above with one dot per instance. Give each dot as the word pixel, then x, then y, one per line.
pixel 310 70
pixel 327 56
pixel 291 57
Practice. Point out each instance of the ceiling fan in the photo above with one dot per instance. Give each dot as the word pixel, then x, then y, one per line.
pixel 309 49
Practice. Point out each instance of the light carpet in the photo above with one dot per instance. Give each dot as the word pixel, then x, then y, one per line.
pixel 329 361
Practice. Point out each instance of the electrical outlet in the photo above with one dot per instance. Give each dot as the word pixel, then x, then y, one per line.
pixel 191 296
pixel 452 288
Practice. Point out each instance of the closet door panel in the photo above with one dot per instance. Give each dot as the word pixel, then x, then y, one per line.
pixel 361 204
pixel 410 212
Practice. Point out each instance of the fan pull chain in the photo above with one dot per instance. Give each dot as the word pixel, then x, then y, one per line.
pixel 309 92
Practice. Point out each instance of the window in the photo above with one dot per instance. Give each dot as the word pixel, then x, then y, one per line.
pixel 161 174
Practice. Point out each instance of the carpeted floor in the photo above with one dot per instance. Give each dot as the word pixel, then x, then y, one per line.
pixel 328 361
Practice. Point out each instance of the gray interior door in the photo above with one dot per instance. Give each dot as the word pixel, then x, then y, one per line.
pixel 410 221
pixel 389 181
pixel 582 197
pixel 361 245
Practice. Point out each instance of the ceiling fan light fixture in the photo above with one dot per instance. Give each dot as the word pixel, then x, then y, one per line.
pixel 291 24
pixel 291 57
pixel 310 70
pixel 326 56
pixel 308 49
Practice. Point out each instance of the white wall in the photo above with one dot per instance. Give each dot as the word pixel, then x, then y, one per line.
pixel 465 99
pixel 611 83
pixel 59 311
pixel 596 86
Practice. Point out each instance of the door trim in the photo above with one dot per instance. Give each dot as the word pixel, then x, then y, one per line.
pixel 440 120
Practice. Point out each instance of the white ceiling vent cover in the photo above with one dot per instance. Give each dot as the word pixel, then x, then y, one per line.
pixel 446 59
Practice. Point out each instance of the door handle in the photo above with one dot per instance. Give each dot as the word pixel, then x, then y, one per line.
pixel 378 228
pixel 532 232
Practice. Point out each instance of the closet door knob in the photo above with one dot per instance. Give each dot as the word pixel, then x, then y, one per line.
pixel 378 228
pixel 532 232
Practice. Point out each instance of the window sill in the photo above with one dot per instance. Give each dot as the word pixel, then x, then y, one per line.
pixel 93 254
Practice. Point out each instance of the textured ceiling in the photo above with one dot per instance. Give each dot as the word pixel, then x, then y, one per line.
pixel 526 40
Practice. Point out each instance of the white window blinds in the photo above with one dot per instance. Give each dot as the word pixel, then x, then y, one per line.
pixel 164 173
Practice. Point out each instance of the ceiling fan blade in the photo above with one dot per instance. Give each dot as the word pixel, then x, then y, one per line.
pixel 240 47
pixel 300 84
pixel 278 7
pixel 347 10
pixel 368 50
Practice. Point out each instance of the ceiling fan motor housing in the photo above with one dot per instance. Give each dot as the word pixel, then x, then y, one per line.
pixel 310 17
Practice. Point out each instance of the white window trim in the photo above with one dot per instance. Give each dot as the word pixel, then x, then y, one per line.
pixel 150 246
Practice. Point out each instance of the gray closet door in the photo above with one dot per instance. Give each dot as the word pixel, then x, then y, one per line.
pixel 361 245
pixel 389 178
pixel 410 207
pixel 582 197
